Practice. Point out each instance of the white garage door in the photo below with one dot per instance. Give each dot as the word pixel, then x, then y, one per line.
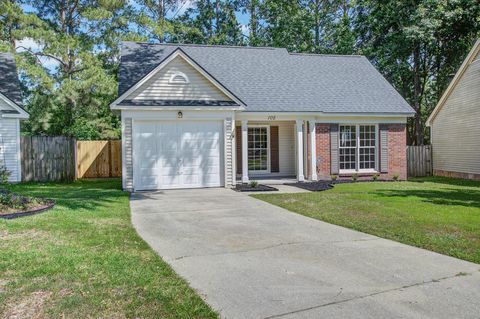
pixel 177 154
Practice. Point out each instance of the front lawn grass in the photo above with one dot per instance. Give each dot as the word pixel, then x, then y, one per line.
pixel 83 259
pixel 439 214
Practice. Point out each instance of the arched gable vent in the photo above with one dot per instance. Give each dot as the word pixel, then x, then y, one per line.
pixel 178 78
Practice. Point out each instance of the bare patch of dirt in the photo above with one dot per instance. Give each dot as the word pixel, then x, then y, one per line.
pixel 3 284
pixel 31 234
pixel 31 307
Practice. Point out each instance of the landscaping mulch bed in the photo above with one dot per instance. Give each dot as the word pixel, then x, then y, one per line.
pixel 258 188
pixel 319 186
pixel 13 205
pixel 313 186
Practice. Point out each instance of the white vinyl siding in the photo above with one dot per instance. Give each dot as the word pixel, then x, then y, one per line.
pixel 286 149
pixel 10 147
pixel 228 152
pixel 159 86
pixel 456 129
pixel 127 160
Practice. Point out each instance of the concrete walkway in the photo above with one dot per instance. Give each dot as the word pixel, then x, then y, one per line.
pixel 250 259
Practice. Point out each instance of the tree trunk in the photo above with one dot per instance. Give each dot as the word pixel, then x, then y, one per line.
pixel 317 24
pixel 416 96
pixel 217 15
pixel 161 15
pixel 209 19
pixel 253 23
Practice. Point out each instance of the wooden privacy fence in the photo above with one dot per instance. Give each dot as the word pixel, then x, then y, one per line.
pixel 59 158
pixel 419 161
pixel 96 159
pixel 46 158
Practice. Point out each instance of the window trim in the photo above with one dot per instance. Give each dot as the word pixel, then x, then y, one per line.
pixel 357 149
pixel 267 171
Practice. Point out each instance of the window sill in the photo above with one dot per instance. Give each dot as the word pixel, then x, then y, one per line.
pixel 359 173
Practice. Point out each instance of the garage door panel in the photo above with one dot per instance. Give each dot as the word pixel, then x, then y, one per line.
pixel 210 179
pixel 190 180
pixel 201 170
pixel 178 154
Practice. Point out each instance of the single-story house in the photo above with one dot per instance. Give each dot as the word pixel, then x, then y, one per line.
pixel 453 123
pixel 11 113
pixel 210 116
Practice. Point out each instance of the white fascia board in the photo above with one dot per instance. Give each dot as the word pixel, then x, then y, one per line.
pixel 21 112
pixel 176 53
pixel 173 115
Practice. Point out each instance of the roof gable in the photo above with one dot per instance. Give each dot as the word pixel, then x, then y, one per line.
pixel 10 109
pixel 163 87
pixel 178 80
pixel 471 57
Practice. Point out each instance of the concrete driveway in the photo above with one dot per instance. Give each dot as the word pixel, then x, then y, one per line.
pixel 250 259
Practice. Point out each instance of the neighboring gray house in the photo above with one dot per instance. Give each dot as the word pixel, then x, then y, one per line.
pixel 211 116
pixel 11 113
pixel 455 133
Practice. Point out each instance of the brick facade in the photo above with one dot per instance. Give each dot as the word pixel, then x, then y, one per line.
pixel 397 151
pixel 323 150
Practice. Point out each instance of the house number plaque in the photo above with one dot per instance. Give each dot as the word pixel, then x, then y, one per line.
pixel 271 117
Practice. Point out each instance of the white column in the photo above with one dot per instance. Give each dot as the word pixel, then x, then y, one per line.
pixel 313 150
pixel 299 128
pixel 244 151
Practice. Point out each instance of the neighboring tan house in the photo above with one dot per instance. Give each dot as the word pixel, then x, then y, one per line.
pixel 455 134
pixel 210 116
pixel 11 113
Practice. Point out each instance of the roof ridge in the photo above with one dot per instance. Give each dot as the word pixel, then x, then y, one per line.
pixel 205 45
pixel 328 55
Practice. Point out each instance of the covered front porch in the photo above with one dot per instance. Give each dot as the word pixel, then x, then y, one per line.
pixel 276 151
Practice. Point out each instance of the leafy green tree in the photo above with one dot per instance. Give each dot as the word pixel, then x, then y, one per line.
pixel 152 18
pixel 79 40
pixel 417 45
pixel 211 22
pixel 287 24
pixel 10 19
pixel 252 8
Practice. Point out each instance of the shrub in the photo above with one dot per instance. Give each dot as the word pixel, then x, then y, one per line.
pixel 12 200
pixel 253 184
pixel 375 177
pixel 396 176
pixel 355 177
pixel 6 198
pixel 334 177
pixel 4 174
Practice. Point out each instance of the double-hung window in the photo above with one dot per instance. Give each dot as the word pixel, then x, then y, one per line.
pixel 358 148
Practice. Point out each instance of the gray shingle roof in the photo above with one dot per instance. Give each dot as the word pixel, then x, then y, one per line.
pixel 273 80
pixel 9 84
